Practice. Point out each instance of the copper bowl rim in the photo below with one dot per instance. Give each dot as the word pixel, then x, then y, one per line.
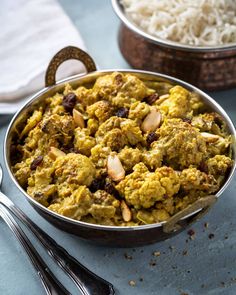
pixel 45 91
pixel 118 8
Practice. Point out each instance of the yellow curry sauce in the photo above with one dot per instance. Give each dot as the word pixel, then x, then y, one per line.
pixel 122 152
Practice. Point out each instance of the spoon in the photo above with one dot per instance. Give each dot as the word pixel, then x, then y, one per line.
pixel 87 281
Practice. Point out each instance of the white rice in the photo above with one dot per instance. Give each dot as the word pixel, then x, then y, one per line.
pixel 192 22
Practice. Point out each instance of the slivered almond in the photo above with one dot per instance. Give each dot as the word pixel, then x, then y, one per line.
pixel 126 213
pixel 55 153
pixel 152 121
pixel 210 137
pixel 114 168
pixel 78 118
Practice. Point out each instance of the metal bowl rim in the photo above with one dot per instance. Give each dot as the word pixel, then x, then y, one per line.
pixel 117 7
pixel 37 95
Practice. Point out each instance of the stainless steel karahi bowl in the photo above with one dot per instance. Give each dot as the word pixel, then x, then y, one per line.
pixel 111 235
pixel 207 67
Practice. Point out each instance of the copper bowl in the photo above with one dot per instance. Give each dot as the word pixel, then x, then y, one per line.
pixel 209 68
pixel 123 236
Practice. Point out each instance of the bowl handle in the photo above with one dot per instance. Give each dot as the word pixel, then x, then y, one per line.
pixel 204 204
pixel 69 52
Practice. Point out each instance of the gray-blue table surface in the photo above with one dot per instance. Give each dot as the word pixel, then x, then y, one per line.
pixel 199 266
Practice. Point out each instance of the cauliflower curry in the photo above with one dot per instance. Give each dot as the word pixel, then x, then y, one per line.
pixel 122 152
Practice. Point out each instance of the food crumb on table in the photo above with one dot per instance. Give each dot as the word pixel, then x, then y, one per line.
pixel 152 263
pixel 206 224
pixel 141 279
pixel 156 253
pixel 132 283
pixel 127 256
pixel 211 236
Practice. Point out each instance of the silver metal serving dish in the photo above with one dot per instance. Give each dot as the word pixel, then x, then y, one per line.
pixel 111 235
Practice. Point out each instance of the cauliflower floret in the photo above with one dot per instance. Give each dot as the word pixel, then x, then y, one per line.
pixel 101 110
pixel 153 157
pixel 178 104
pixel 121 85
pixel 59 127
pixel 219 165
pixel 197 104
pixel 22 172
pixel 86 96
pixel 183 144
pixel 153 216
pixel 99 154
pixel 92 126
pixel 129 157
pixel 108 125
pixel 74 206
pixel 193 179
pixel 32 122
pixel 138 110
pixel 105 205
pixel 115 139
pixel 132 131
pixel 143 188
pixel 83 142
pixel 219 147
pixel 74 168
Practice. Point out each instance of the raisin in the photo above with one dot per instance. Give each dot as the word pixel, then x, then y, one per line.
pixel 122 113
pixel 203 167
pixel 97 183
pixel 36 162
pixel 110 189
pixel 152 136
pixel 69 102
pixel 187 120
pixel 151 98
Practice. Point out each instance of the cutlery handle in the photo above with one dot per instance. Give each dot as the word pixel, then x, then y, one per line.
pixel 51 284
pixel 88 282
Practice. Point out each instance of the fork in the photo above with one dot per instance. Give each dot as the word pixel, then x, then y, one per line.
pixel 51 285
pixel 88 282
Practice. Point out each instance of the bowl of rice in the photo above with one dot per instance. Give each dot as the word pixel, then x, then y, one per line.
pixel 191 40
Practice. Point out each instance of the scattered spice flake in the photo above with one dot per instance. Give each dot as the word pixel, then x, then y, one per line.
pixel 141 279
pixel 206 224
pixel 185 252
pixel 222 284
pixel 152 263
pixel 141 251
pixel 171 248
pixel 174 266
pixel 132 283
pixel 156 253
pixel 191 232
pixel 202 286
pixel 128 257
pixel 226 237
pixel 188 271
pixel 211 236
